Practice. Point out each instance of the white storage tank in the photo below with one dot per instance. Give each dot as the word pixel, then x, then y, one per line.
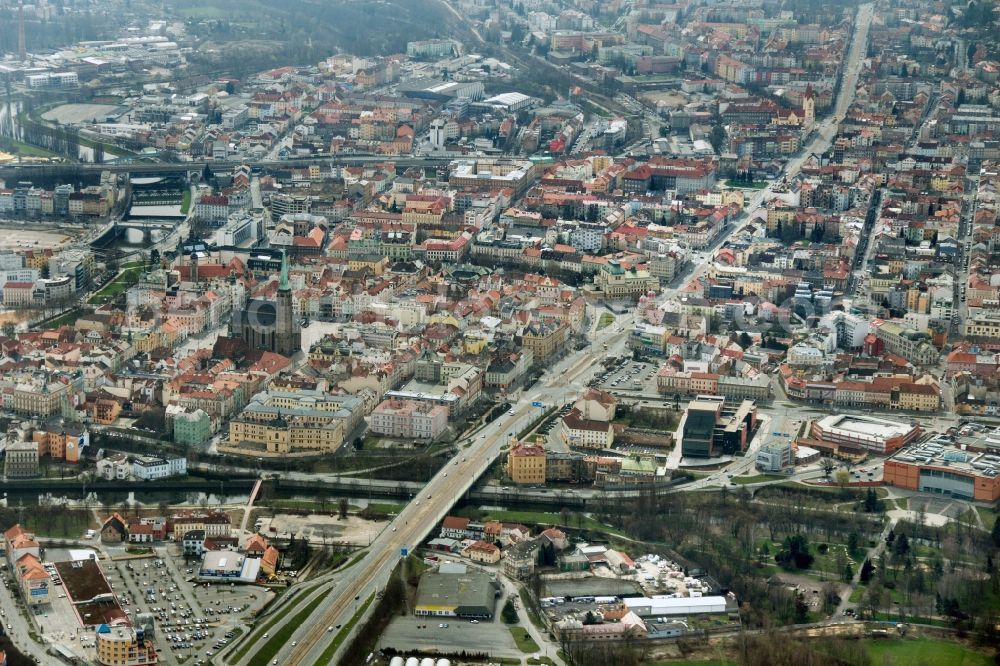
pixel 396 661
pixel 443 662
pixel 426 661
pixel 412 661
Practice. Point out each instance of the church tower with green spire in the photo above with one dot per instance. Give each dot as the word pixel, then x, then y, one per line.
pixel 287 335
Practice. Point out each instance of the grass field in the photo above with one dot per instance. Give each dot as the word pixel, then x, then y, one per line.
pixel 925 652
pixel 530 610
pixel 129 274
pixel 67 318
pixel 203 12
pixel 525 643
pixel 756 185
pixel 893 652
pixel 695 662
pixel 545 518
pixel 186 201
pixel 58 525
pixel 989 516
pixel 606 320
pixel 25 149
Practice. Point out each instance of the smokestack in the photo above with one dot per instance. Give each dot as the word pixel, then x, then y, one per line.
pixel 21 48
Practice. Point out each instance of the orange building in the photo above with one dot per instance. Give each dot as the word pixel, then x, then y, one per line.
pixel 944 470
pixel 61 441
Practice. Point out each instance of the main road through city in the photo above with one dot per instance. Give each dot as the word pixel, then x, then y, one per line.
pixel 431 504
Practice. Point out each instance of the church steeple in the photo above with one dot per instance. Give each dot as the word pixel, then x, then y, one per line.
pixel 287 336
pixel 283 282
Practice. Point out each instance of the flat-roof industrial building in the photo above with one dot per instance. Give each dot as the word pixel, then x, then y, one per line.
pixel 937 467
pixel 662 605
pixel 453 590
pixel 230 566
pixel 852 434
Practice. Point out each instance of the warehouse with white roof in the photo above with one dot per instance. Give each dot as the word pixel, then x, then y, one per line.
pixel 658 606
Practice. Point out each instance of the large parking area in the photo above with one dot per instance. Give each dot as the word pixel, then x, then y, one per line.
pixel 448 635
pixel 191 618
pixel 628 375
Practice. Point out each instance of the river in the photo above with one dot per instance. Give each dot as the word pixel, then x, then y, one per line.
pixel 9 126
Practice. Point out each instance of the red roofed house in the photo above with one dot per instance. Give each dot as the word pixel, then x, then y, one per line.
pixel 483 552
pixel 269 561
pixel 556 537
pixel 596 405
pixel 454 527
pixel 114 529
pixel 578 431
pixel 256 546
pixel 35 581
pixel 140 533
pixel 18 542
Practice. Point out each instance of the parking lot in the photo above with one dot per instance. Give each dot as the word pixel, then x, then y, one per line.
pixel 629 375
pixel 426 634
pixel 192 619
pixel 869 470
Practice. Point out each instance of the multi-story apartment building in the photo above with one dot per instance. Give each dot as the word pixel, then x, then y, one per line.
pixel 192 428
pixel 21 460
pixel 284 436
pixel 149 468
pixel 544 340
pixel 580 432
pixel 911 345
pixel 61 441
pixel 982 323
pixel 409 419
pixel 526 464
pixel 120 644
pixel 214 524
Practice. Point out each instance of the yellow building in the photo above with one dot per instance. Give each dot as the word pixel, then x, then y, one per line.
pixel 124 645
pixel 212 523
pixel 780 215
pixel 280 437
pixel 526 464
pixel 982 323
pixel 920 398
pixel 544 340
pixel 377 264
pixel 482 552
pixel 474 344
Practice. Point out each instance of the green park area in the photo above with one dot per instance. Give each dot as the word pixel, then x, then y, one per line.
pixel 925 651
pixel 128 276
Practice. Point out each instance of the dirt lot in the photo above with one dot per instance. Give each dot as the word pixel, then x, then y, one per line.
pixel 19 237
pixel 74 114
pixel 671 99
pixel 352 531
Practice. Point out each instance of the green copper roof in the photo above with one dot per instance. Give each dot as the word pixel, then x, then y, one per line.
pixel 283 283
